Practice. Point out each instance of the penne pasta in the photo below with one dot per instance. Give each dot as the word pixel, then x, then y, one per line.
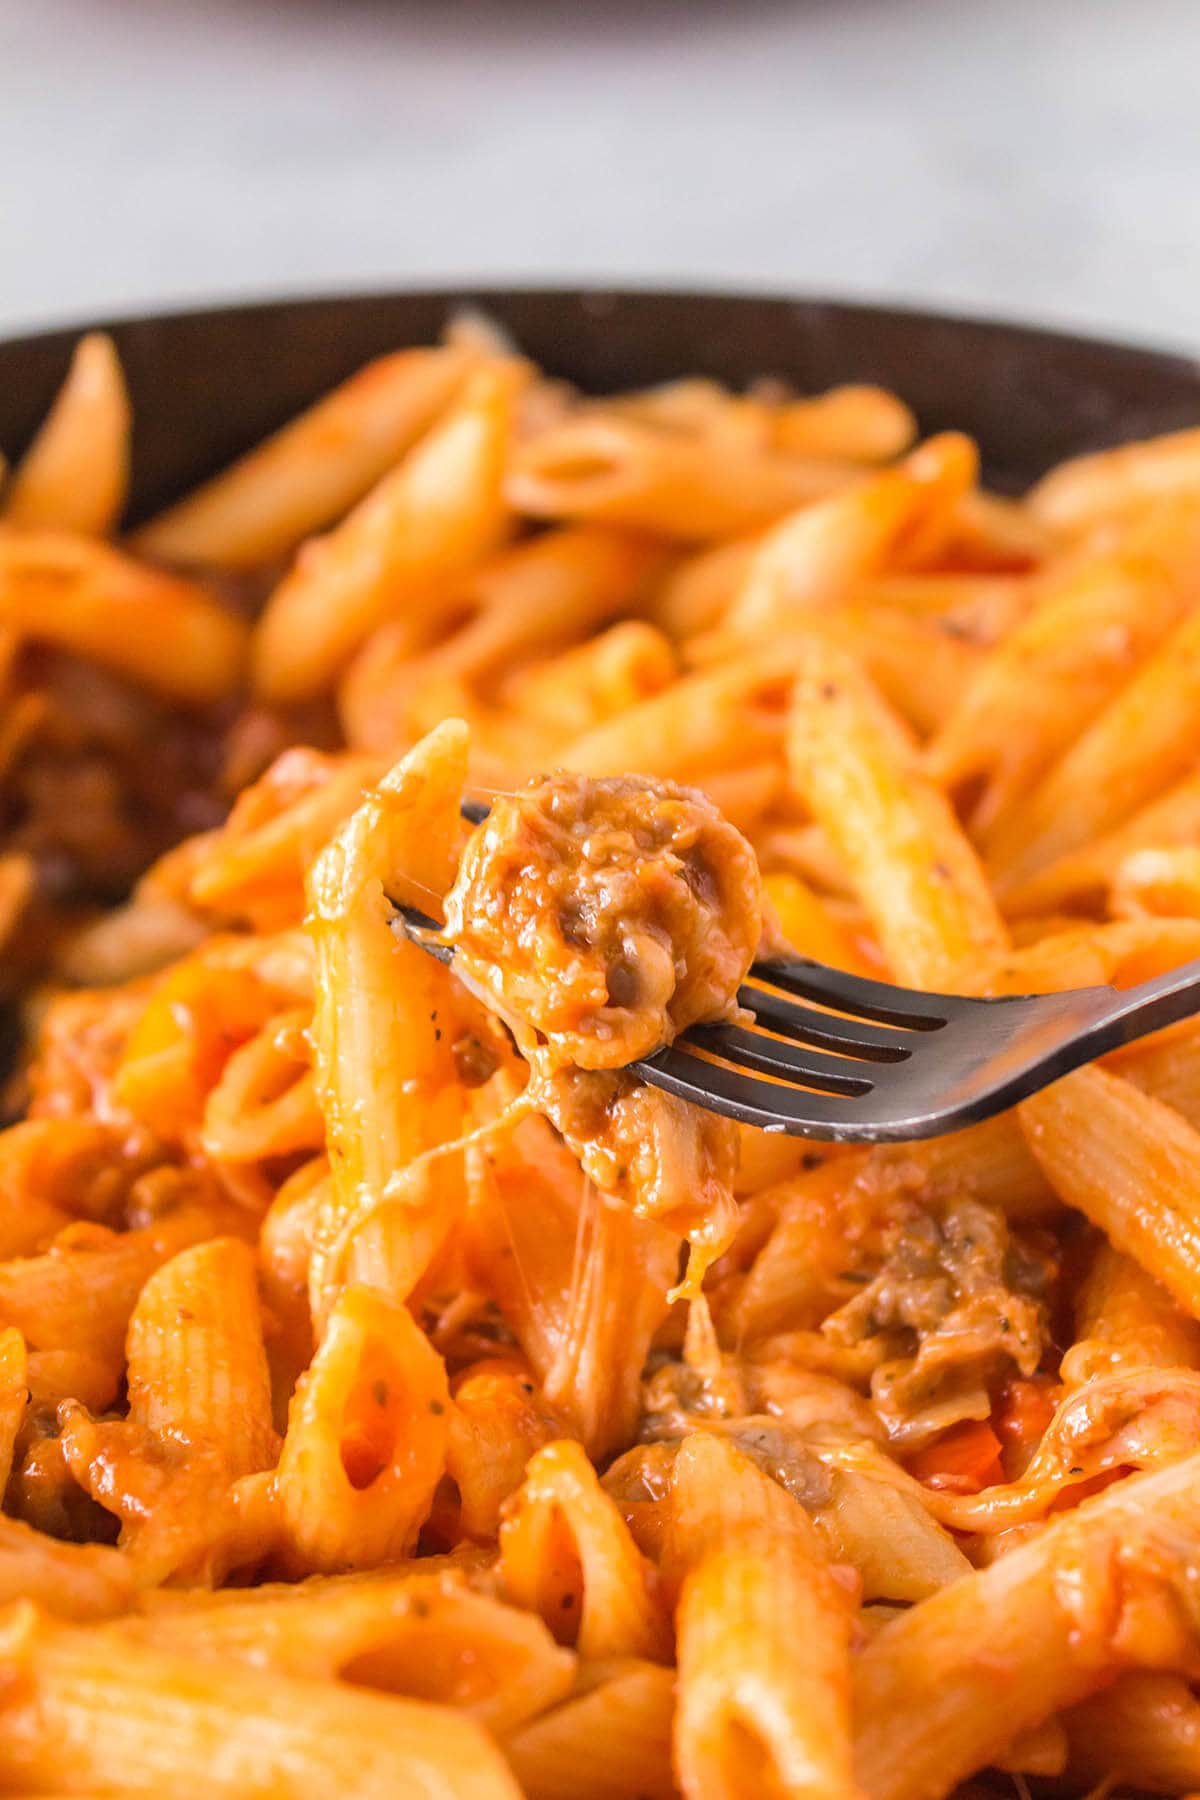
pixel 75 474
pixel 418 528
pixel 1131 1164
pixel 1083 878
pixel 1091 488
pixel 197 1368
pixel 885 1534
pixel 693 726
pixel 366 1439
pixel 1139 745
pixel 982 608
pixel 566 1553
pixel 918 879
pixel 810 925
pixel 612 470
pixel 579 689
pixel 545 593
pixel 399 1393
pixel 1047 682
pixel 80 1293
pixel 424 1636
pixel 815 556
pixel 1099 1590
pixel 1159 882
pixel 160 631
pixel 313 469
pixel 379 1004
pixel 585 1748
pixel 253 870
pixel 764 1640
pixel 241 1732
pixel 1143 1729
pixel 498 1420
pixel 1124 1319
pixel 14 1396
pixel 867 424
pixel 82 1582
pixel 694 596
pixel 1167 1066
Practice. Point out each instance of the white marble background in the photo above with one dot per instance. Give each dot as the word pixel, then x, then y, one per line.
pixel 1035 158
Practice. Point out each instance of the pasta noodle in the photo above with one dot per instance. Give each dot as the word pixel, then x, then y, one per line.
pixel 398 1395
pixel 75 474
pixel 311 471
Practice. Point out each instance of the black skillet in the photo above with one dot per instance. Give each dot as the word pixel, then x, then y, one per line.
pixel 208 384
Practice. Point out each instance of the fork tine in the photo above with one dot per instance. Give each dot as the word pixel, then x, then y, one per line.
pixel 766 1104
pixel 422 931
pixel 788 1061
pixel 876 1043
pixel 855 994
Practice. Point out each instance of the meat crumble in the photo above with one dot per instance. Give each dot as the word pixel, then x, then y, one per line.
pixel 959 1303
pixel 666 1159
pixel 606 916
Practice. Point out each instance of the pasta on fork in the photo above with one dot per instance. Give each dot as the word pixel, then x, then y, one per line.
pixel 397 1396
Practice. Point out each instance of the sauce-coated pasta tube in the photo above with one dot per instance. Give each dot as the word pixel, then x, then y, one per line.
pixel 75 474
pixel 313 469
pixel 547 592
pixel 614 470
pixel 1083 878
pixel 1047 681
pixel 14 1396
pixel 80 1293
pixel 428 1636
pixel 763 1631
pixel 366 1439
pixel 115 1712
pixel 159 630
pixel 1098 1590
pixel 566 1553
pixel 1131 1164
pixel 375 1027
pixel 422 525
pixel 73 1581
pixel 1126 1320
pixel 1143 741
pixel 1145 1728
pixel 197 1363
pixel 918 878
pixel 1091 488
pixel 586 1748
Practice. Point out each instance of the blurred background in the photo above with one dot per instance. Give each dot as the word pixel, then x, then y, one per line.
pixel 1031 158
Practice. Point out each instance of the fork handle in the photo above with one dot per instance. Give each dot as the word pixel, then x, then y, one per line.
pixel 1150 1005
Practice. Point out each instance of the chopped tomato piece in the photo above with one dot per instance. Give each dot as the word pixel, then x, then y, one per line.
pixel 963 1460
pixel 1025 1410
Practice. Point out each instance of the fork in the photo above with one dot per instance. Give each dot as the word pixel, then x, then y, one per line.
pixel 905 1064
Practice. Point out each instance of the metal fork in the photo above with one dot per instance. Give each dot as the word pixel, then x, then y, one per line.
pixel 905 1063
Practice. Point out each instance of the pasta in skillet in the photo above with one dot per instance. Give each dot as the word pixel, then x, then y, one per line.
pixel 396 1397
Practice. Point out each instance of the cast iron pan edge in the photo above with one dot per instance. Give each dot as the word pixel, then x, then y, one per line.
pixel 207 384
